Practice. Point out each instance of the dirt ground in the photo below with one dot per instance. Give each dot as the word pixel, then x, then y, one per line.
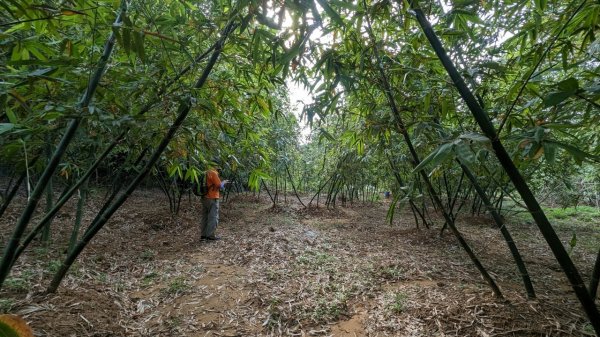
pixel 287 271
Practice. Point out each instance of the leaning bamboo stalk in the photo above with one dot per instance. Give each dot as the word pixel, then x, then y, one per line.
pixel 505 233
pixel 183 111
pixel 60 203
pixel 513 173
pixel 21 225
pixel 415 162
pixel 12 193
pixel 294 187
pixel 595 278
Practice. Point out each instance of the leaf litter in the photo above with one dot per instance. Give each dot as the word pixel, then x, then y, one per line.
pixel 285 271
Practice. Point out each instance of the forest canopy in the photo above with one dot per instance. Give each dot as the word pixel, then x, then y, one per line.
pixel 495 102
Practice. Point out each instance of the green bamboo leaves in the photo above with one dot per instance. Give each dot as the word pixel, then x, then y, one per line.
pixel 460 148
pixel 130 38
pixel 566 89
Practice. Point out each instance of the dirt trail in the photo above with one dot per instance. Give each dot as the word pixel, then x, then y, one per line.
pixel 288 271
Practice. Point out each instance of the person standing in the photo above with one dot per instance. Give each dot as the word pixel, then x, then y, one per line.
pixel 210 205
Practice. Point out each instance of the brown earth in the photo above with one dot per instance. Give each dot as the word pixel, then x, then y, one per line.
pixel 286 271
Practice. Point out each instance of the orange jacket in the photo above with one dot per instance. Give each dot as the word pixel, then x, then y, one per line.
pixel 214 184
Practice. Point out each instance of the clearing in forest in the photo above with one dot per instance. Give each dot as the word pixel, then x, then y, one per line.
pixel 289 271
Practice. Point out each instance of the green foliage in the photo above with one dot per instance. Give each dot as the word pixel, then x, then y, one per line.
pixel 149 278
pixel 148 255
pixel 177 286
pixel 6 304
pixel 397 303
pixel 17 284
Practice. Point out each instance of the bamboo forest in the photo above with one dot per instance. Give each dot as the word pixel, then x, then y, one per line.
pixel 369 167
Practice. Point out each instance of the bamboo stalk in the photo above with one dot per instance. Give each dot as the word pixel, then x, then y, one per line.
pixel 402 129
pixel 505 233
pixel 515 176
pixel 183 110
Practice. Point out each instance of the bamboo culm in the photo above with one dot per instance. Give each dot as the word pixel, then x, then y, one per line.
pixel 20 227
pixel 513 173
pixel 401 128
pixel 182 112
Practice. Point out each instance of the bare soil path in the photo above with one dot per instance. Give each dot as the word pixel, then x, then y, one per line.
pixel 287 271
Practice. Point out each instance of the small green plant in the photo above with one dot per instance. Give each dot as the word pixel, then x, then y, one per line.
pixel 274 318
pixel 102 277
pixel 392 272
pixel 17 284
pixel 173 322
pixel 53 266
pixel 6 305
pixel 149 278
pixel 177 285
pixel 315 258
pixel 330 309
pixel 148 255
pixel 397 303
pixel 40 251
pixel 273 275
pixel 588 329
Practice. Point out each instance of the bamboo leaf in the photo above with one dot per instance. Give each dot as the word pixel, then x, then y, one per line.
pixel 11 116
pixel 436 157
pixel 139 45
pixel 474 137
pixel 331 12
pixel 550 152
pixel 569 85
pixel 127 39
pixel 5 127
pixel 116 30
pixel 555 98
pixel 578 154
pixel 464 154
pixel 324 133
pixel 264 106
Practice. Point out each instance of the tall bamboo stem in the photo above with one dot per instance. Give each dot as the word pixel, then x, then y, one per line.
pixel 513 173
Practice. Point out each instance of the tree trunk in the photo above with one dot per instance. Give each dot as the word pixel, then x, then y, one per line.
pixel 8 257
pixel 183 110
pixel 515 176
pixel 415 162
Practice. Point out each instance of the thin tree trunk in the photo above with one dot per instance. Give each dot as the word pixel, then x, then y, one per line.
pixel 505 233
pixel 59 204
pixel 268 192
pixel 294 187
pixel 183 111
pixel 78 215
pixel 595 278
pixel 49 205
pixel 515 176
pixel 21 226
pixel 402 129
pixel 12 193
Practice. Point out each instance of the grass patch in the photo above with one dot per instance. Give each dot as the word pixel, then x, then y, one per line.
pixel 148 255
pixel 53 266
pixel 330 309
pixel 397 303
pixel 149 279
pixel 17 284
pixel 315 258
pixel 177 286
pixel 392 273
pixel 576 226
pixel 6 305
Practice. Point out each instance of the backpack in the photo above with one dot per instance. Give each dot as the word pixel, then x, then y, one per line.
pixel 200 188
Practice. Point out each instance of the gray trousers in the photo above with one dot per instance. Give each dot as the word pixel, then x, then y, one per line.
pixel 210 217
